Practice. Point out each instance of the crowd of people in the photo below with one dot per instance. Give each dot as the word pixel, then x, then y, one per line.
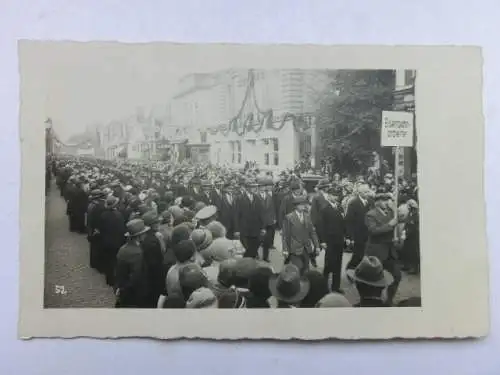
pixel 170 235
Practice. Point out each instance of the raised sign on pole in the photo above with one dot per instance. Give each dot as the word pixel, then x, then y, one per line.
pixel 397 129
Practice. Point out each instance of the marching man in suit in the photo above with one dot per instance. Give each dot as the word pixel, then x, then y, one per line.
pixel 249 225
pixel 300 242
pixel 330 227
pixel 381 222
pixel 268 215
pixel 357 232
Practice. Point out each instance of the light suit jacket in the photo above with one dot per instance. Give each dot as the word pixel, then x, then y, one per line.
pixel 298 236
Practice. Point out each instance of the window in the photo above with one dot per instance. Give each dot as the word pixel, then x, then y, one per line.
pixel 276 157
pixel 237 152
pixel 271 151
pixel 203 137
pixel 265 142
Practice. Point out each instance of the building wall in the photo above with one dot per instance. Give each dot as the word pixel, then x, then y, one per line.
pixel 404 100
pixel 215 99
pixel 271 149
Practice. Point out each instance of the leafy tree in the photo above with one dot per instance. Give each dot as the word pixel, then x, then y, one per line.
pixel 349 117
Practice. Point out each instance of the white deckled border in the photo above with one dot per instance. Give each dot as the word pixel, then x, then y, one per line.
pixel 450 129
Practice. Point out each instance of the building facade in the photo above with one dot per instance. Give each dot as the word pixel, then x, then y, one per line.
pixel 404 100
pixel 239 116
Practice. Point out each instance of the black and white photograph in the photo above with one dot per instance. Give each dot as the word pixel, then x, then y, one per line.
pixel 246 188
pixel 228 185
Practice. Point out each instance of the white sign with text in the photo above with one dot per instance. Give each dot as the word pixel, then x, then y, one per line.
pixel 397 129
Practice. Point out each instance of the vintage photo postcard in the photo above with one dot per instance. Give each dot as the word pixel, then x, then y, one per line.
pixel 269 191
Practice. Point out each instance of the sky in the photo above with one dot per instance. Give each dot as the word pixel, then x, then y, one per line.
pixel 95 85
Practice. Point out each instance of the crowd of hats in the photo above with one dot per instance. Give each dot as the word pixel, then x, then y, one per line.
pixel 238 279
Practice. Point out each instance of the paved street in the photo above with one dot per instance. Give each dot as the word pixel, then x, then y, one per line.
pixel 67 263
pixel 70 282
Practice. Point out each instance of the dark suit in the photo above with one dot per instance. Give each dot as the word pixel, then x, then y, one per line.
pixel 298 239
pixel 249 223
pixel 356 229
pixel 94 213
pixel 286 207
pixel 227 214
pixel 112 229
pixel 380 244
pixel 330 227
pixel 269 219
pixel 153 261
pixel 216 199
pixel 131 277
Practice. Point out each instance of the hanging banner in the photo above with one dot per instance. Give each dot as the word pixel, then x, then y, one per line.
pixel 397 129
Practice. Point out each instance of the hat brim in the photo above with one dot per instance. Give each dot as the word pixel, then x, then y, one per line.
pixel 382 283
pixel 146 228
pixel 299 296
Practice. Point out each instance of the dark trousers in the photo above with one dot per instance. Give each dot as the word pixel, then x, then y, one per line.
pixel 333 263
pixel 95 262
pixel 109 262
pixel 251 245
pixel 358 252
pixel 392 266
pixel 230 233
pixel 267 241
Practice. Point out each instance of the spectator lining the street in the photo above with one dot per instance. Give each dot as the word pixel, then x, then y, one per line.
pixel 318 288
pixel 371 280
pixel 184 252
pixel 259 288
pixel 191 278
pixel 289 287
pixel 332 300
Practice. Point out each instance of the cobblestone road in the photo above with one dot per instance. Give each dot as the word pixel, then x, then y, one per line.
pixel 69 280
pixel 67 266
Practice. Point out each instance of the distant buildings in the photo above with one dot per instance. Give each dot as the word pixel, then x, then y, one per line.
pixel 225 117
pixel 226 114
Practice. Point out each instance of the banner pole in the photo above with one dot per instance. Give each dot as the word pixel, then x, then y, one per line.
pixel 396 191
pixel 396 178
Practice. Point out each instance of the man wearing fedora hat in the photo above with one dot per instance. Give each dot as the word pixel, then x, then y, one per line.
pixel 330 227
pixel 289 287
pixel 319 200
pixel 111 226
pixel 227 213
pixel 381 222
pixel 357 232
pixel 370 279
pixel 299 236
pixel 94 212
pixel 131 281
pixel 286 205
pixel 268 214
pixel 154 246
pixel 249 223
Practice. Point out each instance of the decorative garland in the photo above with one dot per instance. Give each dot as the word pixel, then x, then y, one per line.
pixel 240 125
